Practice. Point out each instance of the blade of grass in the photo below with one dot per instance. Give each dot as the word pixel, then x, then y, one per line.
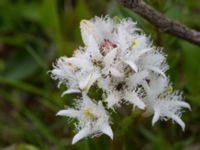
pixel 34 90
pixel 24 86
pixel 44 130
pixel 37 58
pixel 50 18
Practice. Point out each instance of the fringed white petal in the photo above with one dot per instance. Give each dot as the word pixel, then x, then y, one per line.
pixel 132 65
pixel 134 99
pixel 86 83
pixel 93 79
pixel 57 72
pixel 70 91
pixel 79 62
pixel 81 134
pixel 112 99
pixel 93 49
pixel 178 120
pixel 68 112
pixel 184 104
pixel 106 129
pixel 142 52
pixel 157 70
pixel 89 29
pixel 115 72
pixel 138 77
pixel 156 116
pixel 83 84
pixel 87 100
pixel 109 58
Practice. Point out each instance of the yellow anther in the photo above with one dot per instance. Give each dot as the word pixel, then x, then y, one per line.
pixel 89 114
pixel 166 92
pixel 133 43
pixel 116 19
pixel 69 65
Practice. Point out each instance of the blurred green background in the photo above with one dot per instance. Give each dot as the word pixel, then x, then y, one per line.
pixel 33 33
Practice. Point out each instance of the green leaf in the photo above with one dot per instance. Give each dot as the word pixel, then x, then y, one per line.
pixel 21 147
pixel 20 66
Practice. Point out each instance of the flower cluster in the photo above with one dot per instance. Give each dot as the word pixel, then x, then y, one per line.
pixel 121 61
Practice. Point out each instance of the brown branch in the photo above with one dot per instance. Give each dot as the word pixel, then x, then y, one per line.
pixel 161 22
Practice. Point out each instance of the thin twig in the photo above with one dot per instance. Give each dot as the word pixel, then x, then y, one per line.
pixel 163 24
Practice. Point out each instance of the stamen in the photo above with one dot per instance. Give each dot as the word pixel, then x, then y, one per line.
pixel 96 62
pixel 116 19
pixel 89 114
pixel 166 92
pixel 69 65
pixel 106 46
pixel 133 43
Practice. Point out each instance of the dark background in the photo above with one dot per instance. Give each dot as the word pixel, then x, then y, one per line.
pixel 33 33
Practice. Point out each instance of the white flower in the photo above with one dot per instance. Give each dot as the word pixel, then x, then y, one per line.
pixel 163 102
pixel 169 107
pixel 155 61
pixel 90 31
pixel 117 91
pixel 121 61
pixel 63 71
pixel 92 118
pixel 76 73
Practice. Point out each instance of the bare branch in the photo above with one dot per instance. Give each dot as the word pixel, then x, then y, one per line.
pixel 161 22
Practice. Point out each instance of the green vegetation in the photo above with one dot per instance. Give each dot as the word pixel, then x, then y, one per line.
pixel 33 33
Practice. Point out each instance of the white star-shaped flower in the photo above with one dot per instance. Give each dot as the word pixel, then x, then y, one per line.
pixel 163 102
pixel 92 117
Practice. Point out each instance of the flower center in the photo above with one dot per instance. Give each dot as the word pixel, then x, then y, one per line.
pixel 88 113
pixel 106 46
pixel 120 86
pixel 133 43
pixel 69 65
